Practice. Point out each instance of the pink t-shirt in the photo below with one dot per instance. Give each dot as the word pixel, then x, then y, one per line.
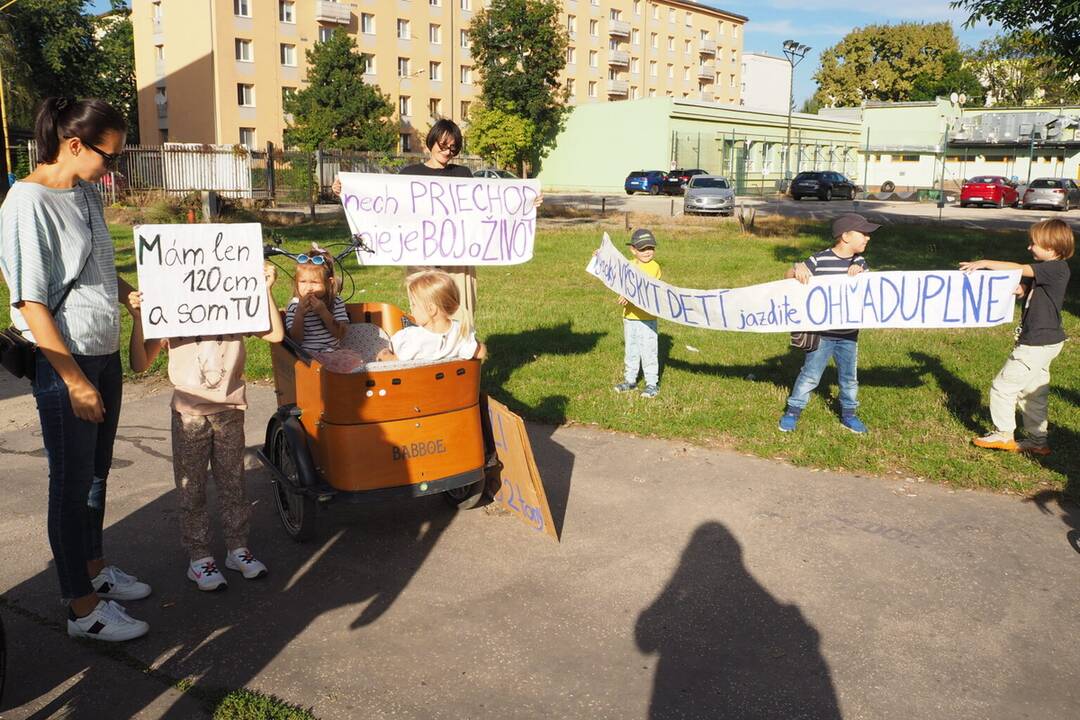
pixel 207 374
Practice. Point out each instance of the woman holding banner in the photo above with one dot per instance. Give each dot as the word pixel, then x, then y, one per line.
pixel 57 257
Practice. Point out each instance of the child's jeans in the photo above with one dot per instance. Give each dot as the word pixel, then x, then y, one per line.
pixel 1024 381
pixel 641 351
pixel 846 353
pixel 216 441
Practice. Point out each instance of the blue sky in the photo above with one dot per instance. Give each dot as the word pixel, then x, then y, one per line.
pixel 820 24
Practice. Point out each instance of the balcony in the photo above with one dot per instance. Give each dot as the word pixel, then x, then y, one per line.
pixel 163 109
pixel 332 12
pixel 619 28
pixel 620 88
pixel 707 47
pixel 705 72
pixel 619 57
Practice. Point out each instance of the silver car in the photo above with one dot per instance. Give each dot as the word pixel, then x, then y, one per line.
pixel 1057 193
pixel 709 194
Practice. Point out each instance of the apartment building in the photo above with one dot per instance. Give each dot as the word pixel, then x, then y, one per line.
pixel 766 82
pixel 217 71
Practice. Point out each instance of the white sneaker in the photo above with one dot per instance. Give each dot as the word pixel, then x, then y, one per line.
pixel 204 573
pixel 108 621
pixel 112 583
pixel 244 562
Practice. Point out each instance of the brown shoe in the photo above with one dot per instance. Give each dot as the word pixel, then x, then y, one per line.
pixel 996 441
pixel 1034 447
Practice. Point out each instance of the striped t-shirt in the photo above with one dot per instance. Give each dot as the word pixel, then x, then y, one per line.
pixel 317 337
pixel 827 262
pixel 45 237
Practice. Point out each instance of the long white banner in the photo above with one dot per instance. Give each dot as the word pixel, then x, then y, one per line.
pixel 894 299
pixel 422 220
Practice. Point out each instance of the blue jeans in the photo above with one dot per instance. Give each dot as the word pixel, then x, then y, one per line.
pixel 79 455
pixel 846 353
pixel 641 351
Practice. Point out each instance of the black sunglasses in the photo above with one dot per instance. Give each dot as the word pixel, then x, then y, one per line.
pixel 112 161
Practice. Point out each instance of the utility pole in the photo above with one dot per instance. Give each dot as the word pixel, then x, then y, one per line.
pixel 794 52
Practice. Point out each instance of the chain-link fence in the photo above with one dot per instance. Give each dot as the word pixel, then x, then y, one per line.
pixel 760 164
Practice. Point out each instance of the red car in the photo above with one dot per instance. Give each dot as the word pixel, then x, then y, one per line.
pixel 989 190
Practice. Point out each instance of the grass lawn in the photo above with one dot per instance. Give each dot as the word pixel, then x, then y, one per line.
pixel 555 342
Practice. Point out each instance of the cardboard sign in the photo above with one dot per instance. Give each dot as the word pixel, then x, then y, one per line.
pixel 201 279
pixel 908 299
pixel 522 492
pixel 422 220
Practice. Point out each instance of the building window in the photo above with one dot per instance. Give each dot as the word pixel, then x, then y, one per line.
pixel 163 135
pixel 594 28
pixel 671 72
pixel 403 29
pixel 689 22
pixel 720 27
pixel 466 75
pixel 571 24
pixel 244 50
pixel 367 23
pixel 612 74
pixel 242 8
pixel 325 34
pixel 637 7
pixel 287 11
pixel 633 93
pixel 465 105
pixel 655 12
pixel 654 41
pixel 670 44
pixel 157 11
pixel 686 48
pixel 434 107
pixel 732 81
pixel 594 59
pixel 367 60
pixel 245 95
pixel 435 3
pixel 288 55
pixel 571 56
pixel 906 158
pixel 434 34
pixel 734 30
pixel 635 36
pixel 671 16
pixel 435 70
pixel 406 142
pixel 159 53
pixel 592 88
pixel 464 39
pixel 247 137
pixel 404 106
pixel 652 92
pixel 402 67
pixel 466 4
pixel 570 88
pixel 686 74
pixel 734 56
pixel 613 44
pixel 652 68
pixel 635 65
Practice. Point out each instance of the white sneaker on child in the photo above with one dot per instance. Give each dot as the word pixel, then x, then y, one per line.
pixel 112 583
pixel 108 621
pixel 245 563
pixel 204 573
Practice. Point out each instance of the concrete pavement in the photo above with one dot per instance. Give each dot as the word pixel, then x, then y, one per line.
pixel 689 583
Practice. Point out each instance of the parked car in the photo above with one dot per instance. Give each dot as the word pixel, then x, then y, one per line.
pixel 709 194
pixel 1058 193
pixel 494 174
pixel 675 182
pixel 989 190
pixel 824 185
pixel 650 181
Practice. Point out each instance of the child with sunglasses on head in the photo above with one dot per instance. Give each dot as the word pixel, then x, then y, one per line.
pixel 316 318
pixel 208 407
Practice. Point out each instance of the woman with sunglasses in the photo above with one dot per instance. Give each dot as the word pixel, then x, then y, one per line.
pixel 57 257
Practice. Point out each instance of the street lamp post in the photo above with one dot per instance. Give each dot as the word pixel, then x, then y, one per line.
pixel 957 101
pixel 794 52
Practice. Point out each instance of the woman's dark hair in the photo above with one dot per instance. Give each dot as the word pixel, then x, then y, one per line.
pixel 443 127
pixel 65 117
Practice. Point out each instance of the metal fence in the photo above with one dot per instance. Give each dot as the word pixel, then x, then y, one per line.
pixel 755 164
pixel 270 174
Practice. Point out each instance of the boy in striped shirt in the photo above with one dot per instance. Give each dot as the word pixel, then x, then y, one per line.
pixel 851 232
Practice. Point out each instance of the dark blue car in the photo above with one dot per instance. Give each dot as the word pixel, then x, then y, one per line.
pixel 650 181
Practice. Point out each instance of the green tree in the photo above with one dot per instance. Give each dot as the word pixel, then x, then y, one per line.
pixel 520 50
pixel 337 109
pixel 884 62
pixel 1016 70
pixel 499 136
pixel 957 76
pixel 1053 24
pixel 115 80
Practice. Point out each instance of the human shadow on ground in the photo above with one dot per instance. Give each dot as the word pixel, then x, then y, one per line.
pixel 362 561
pixel 1069 507
pixel 509 352
pixel 727 648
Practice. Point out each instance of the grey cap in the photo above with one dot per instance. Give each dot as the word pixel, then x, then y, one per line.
pixel 852 221
pixel 642 239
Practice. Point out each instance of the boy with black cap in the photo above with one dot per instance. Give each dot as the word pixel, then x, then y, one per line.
pixel 639 327
pixel 851 233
